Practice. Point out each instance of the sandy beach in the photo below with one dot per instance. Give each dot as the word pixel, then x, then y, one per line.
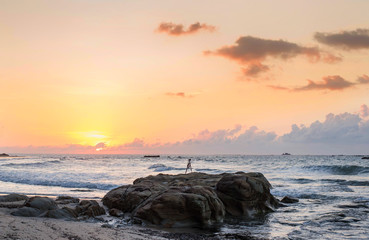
pixel 24 228
pixel 42 228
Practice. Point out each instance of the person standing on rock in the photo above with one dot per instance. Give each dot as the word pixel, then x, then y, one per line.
pixel 188 166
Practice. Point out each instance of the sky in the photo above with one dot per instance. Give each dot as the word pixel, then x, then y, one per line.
pixel 177 77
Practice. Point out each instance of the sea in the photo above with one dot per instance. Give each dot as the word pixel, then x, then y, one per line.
pixel 333 191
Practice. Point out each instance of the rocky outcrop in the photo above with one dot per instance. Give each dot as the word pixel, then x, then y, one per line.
pixel 192 200
pixel 47 207
pixel 246 194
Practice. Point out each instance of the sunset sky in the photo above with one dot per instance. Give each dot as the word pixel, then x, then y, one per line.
pixel 209 76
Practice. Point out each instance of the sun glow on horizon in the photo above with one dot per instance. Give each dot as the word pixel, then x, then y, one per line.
pixel 91 138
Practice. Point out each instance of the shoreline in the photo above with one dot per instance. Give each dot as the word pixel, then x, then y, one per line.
pixel 103 227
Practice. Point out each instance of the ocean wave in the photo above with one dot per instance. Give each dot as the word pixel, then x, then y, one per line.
pixel 347 182
pixel 207 170
pixel 340 169
pixel 161 168
pixel 57 183
pixel 35 164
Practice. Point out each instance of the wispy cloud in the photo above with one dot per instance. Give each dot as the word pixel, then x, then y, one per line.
pixel 347 40
pixel 332 83
pixel 180 94
pixel 178 29
pixel 251 52
pixel 277 87
pixel 364 79
pixel 329 83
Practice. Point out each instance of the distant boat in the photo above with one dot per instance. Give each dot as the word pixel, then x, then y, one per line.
pixel 286 154
pixel 151 156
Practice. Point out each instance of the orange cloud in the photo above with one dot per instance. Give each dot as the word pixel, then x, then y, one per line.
pixel 252 52
pixel 178 29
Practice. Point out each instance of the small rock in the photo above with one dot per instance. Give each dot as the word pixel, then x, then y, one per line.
pixel 65 213
pixel 27 212
pixel 13 197
pixel 94 211
pixel 42 203
pixel 116 212
pixel 66 200
pixel 287 199
pixel 17 204
pixel 105 225
pixel 90 208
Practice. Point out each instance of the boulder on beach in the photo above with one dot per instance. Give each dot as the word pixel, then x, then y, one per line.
pixel 42 203
pixel 47 207
pixel 192 200
pixel 66 200
pixel 27 212
pixel 13 197
pixel 89 208
pixel 64 213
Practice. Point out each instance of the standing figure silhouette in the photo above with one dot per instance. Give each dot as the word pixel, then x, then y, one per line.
pixel 189 167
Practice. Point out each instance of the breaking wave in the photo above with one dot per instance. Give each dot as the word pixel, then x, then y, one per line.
pixel 162 168
pixel 340 169
pixel 35 164
pixel 57 183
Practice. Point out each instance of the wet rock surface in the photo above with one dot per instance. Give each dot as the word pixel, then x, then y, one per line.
pixel 66 200
pixel 193 200
pixel 47 207
pixel 42 203
pixel 13 198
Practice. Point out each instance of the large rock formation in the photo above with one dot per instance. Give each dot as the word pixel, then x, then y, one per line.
pixel 192 200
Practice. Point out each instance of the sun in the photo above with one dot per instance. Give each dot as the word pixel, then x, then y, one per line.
pixel 91 138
